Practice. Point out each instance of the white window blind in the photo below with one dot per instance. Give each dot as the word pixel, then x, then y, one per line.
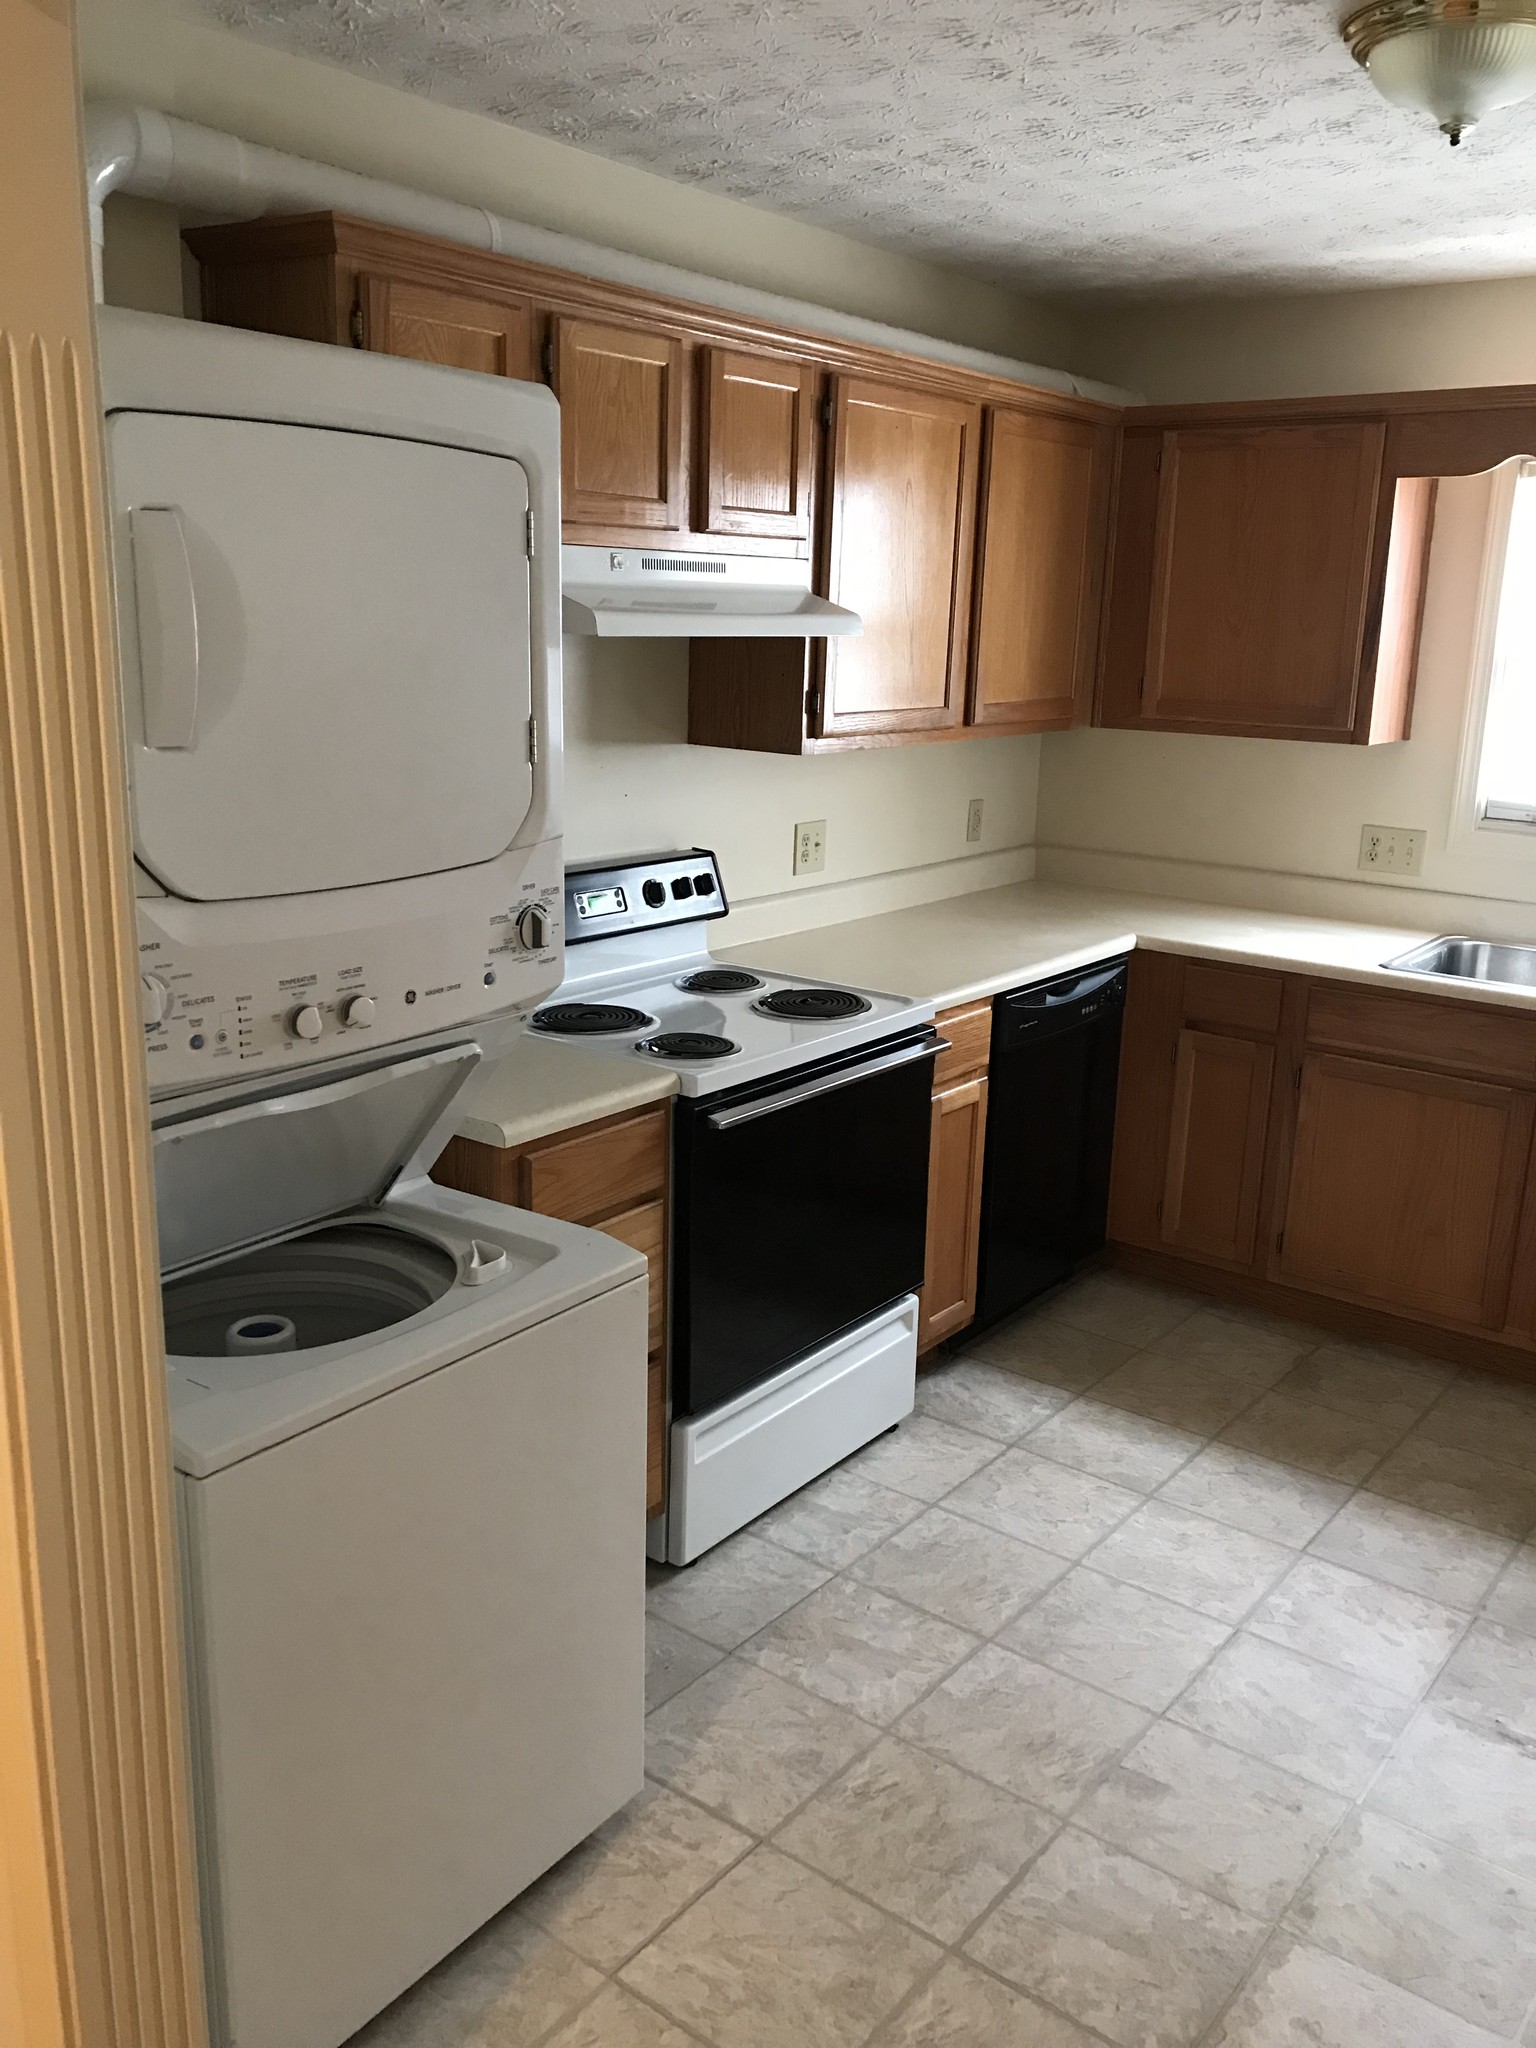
pixel 1506 783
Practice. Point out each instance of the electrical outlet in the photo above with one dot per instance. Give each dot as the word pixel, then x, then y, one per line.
pixel 811 846
pixel 973 821
pixel 1391 850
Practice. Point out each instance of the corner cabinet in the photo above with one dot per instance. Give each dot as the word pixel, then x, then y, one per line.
pixel 1267 579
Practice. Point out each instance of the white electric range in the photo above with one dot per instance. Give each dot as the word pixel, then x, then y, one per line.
pixel 799 1186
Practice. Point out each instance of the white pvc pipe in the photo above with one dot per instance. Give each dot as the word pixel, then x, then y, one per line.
pixel 159 156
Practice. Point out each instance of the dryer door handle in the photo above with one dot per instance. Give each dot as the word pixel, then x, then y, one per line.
pixel 167 613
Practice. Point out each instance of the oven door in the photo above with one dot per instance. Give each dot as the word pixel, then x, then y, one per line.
pixel 799 1209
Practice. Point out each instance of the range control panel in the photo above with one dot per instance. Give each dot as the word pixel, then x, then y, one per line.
pixel 232 988
pixel 638 895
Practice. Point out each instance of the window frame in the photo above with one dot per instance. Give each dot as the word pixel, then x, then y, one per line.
pixel 1473 829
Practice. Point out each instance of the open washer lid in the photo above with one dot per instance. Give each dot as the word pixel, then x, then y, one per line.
pixel 239 1175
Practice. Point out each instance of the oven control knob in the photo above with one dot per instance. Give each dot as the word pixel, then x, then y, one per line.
pixel 359 1010
pixel 654 893
pixel 155 1000
pixel 533 928
pixel 306 1021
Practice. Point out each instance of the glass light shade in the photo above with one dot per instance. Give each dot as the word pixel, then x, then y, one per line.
pixel 1457 70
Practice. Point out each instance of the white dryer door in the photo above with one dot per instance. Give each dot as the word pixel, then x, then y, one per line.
pixel 326 650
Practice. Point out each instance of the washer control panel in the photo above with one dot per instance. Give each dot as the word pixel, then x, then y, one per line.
pixel 231 988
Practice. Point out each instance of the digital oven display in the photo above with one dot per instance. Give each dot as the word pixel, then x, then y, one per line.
pixel 599 902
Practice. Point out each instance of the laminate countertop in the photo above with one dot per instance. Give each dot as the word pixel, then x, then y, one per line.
pixel 965 948
pixel 540 1085
pixel 961 949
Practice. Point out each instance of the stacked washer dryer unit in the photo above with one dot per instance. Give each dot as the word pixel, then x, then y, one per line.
pixel 408 1425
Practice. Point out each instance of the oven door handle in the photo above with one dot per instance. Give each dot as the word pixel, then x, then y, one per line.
pixel 768 1105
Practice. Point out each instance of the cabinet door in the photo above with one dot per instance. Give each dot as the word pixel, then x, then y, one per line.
pixel 1210 1198
pixel 1404 1189
pixel 1040 554
pixel 621 425
pixel 756 470
pixel 948 1299
pixel 436 325
pixel 900 534
pixel 1260 573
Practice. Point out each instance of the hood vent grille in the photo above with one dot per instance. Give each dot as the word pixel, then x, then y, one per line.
pixel 684 565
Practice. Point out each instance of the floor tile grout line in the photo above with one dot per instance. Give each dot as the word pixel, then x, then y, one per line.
pixel 752 1842
pixel 1468 1616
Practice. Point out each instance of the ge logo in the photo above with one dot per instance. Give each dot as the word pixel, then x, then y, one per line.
pixel 410 995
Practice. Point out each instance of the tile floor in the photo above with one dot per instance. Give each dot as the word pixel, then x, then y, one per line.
pixel 1169 1678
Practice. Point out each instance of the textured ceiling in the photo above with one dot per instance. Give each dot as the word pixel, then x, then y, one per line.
pixel 1152 146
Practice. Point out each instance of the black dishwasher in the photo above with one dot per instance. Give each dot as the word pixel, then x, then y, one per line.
pixel 1050 1127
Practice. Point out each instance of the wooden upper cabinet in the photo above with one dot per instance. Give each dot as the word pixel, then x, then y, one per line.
pixel 1040 570
pixel 1259 575
pixel 1404 1189
pixel 435 324
pixel 754 472
pixel 899 542
pixel 1267 579
pixel 621 392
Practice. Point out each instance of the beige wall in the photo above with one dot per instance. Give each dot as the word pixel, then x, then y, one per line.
pixel 634 785
pixel 1418 338
pixel 141 50
pixel 1225 813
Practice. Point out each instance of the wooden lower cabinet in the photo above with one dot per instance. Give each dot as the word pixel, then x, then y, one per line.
pixel 1197 1067
pixel 1333 1149
pixel 1404 1189
pixel 956 1158
pixel 612 1176
pixel 1210 1199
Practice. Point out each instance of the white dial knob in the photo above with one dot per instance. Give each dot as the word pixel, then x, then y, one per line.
pixel 306 1021
pixel 360 1010
pixel 533 928
pixel 155 1000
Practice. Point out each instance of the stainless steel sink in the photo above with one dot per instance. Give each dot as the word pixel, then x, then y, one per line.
pixel 1471 960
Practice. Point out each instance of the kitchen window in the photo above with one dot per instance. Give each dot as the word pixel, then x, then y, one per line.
pixel 1505 791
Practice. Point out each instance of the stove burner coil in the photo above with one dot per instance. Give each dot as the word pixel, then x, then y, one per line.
pixel 581 1020
pixel 811 1005
pixel 688 1045
pixel 720 981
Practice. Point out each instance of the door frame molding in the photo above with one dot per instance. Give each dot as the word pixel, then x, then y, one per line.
pixel 99 1939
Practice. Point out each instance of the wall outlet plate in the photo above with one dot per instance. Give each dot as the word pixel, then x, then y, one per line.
pixel 1392 849
pixel 811 846
pixel 973 821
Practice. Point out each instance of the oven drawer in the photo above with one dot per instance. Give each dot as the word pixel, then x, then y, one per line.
pixel 799 1210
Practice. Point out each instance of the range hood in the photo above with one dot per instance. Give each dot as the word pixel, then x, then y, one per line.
pixel 630 593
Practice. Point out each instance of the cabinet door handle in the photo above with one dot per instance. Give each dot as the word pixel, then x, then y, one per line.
pixel 166 602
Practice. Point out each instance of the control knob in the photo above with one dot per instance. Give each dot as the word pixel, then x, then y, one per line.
pixel 359 1010
pixel 306 1021
pixel 533 928
pixel 155 1000
pixel 654 893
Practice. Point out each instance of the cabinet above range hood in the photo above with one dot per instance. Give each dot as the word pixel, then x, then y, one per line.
pixel 629 593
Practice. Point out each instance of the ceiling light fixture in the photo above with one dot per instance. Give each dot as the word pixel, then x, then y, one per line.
pixel 1454 59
